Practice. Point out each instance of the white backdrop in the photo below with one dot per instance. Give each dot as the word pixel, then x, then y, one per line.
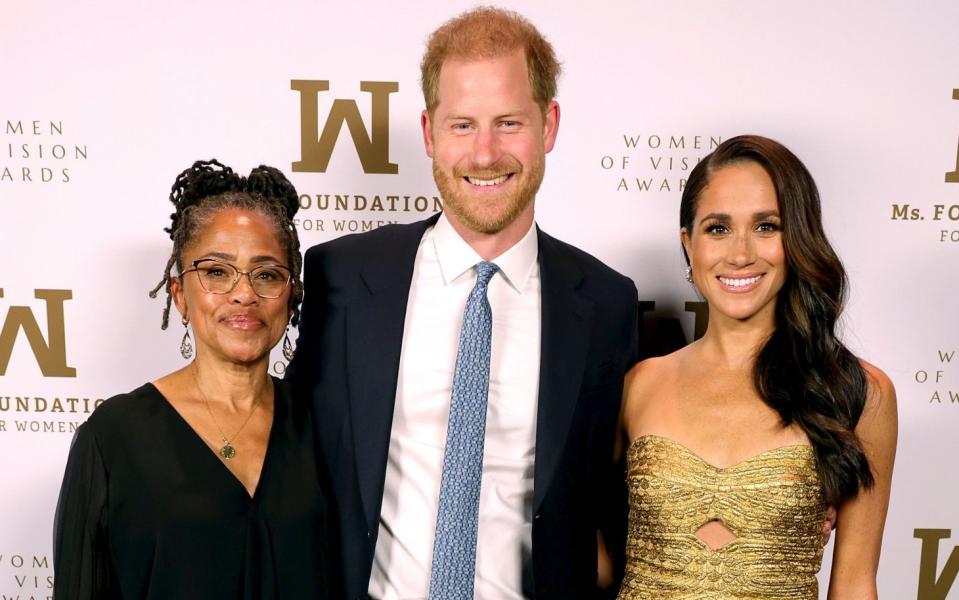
pixel 103 103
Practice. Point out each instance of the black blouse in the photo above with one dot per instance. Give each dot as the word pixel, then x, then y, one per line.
pixel 148 511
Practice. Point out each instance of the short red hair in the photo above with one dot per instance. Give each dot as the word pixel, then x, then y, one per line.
pixel 488 32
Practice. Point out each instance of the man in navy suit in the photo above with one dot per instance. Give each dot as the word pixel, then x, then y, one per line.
pixel 388 351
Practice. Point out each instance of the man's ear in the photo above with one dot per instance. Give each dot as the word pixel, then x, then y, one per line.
pixel 550 125
pixel 427 133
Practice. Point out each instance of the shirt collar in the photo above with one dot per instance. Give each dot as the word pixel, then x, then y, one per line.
pixel 456 257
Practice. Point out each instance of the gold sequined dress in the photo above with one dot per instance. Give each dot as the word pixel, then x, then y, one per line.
pixel 771 503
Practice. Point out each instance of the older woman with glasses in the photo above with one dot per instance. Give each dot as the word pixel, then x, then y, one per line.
pixel 205 482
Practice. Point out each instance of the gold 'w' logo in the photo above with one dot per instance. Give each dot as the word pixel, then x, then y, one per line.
pixel 373 146
pixel 51 355
pixel 932 587
pixel 953 176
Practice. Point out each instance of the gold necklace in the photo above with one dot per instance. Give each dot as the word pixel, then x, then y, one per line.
pixel 227 451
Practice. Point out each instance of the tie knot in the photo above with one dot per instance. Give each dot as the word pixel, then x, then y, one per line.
pixel 484 272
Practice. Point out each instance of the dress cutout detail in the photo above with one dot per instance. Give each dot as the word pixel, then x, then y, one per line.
pixel 772 504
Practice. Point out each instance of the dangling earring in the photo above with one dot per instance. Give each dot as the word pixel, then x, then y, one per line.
pixel 287 346
pixel 186 345
pixel 689 274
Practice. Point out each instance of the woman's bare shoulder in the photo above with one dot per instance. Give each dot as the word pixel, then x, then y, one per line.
pixel 647 378
pixel 880 408
pixel 880 385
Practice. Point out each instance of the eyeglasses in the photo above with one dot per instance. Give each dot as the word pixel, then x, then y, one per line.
pixel 267 281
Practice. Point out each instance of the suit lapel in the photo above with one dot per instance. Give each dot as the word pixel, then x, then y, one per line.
pixel 374 339
pixel 566 321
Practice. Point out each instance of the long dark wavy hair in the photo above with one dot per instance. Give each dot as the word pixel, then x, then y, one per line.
pixel 209 186
pixel 803 371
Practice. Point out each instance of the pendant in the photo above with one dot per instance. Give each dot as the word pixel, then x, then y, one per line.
pixel 227 451
pixel 186 346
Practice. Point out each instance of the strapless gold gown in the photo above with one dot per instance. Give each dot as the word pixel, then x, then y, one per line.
pixel 770 502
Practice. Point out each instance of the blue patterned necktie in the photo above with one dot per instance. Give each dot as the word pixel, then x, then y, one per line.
pixel 454 545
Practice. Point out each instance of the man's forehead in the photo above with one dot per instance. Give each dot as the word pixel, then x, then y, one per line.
pixel 484 91
pixel 459 60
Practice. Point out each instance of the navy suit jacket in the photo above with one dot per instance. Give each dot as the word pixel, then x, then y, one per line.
pixel 347 360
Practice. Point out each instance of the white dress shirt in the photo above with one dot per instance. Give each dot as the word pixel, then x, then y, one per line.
pixel 442 280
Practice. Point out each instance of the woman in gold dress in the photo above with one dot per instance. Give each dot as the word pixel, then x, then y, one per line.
pixel 739 442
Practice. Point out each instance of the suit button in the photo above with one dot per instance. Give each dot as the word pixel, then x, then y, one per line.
pixel 537 516
pixel 369 535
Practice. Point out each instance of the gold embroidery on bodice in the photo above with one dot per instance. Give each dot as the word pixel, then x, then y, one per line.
pixel 771 503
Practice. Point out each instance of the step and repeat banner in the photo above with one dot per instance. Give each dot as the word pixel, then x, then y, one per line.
pixel 102 104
